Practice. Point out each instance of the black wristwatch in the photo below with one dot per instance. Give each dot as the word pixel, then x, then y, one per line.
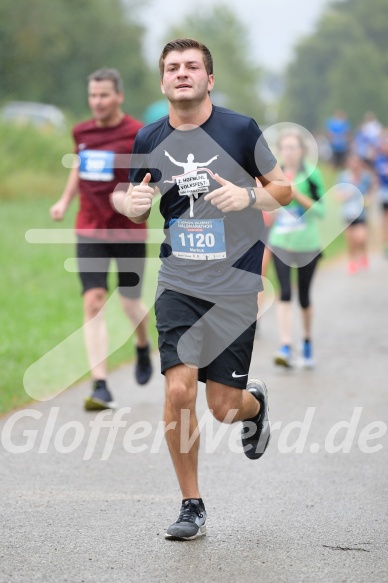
pixel 252 195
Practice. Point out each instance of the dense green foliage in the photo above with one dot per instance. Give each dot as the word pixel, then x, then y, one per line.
pixel 47 50
pixel 344 64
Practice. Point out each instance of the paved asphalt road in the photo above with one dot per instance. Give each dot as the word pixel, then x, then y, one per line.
pixel 310 516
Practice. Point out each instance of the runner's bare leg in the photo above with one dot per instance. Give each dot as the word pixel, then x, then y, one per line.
pixel 181 396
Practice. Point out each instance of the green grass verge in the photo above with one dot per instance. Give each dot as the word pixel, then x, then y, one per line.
pixel 42 307
pixel 41 301
pixel 41 340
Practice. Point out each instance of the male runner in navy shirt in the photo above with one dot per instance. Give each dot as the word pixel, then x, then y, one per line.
pixel 204 161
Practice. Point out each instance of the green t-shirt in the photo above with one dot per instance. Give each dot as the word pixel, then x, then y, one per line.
pixel 295 227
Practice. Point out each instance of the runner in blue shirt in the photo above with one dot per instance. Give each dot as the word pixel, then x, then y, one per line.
pixel 338 133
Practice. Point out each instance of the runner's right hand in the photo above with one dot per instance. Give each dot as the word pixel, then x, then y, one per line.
pixel 58 210
pixel 139 201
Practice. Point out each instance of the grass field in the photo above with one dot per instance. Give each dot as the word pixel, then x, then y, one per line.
pixel 41 302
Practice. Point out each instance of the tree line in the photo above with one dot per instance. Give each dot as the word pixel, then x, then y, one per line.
pixel 47 50
pixel 343 64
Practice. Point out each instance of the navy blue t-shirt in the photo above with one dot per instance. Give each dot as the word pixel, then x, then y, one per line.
pixel 209 252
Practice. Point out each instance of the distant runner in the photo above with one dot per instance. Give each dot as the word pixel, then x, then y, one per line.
pixel 294 240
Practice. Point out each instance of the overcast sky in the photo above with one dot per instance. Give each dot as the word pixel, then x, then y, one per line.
pixel 274 25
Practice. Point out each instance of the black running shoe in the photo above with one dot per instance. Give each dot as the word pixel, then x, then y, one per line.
pixel 190 523
pixel 100 398
pixel 143 369
pixel 255 445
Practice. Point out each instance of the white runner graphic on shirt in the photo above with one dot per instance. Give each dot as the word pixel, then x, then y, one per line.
pixel 191 183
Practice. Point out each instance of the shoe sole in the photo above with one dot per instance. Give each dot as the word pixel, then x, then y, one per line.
pixel 201 532
pixel 280 361
pixel 257 455
pixel 97 405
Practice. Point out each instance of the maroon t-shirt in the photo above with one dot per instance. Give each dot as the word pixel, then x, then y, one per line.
pixel 101 149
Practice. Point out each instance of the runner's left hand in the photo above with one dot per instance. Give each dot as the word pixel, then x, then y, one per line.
pixel 229 197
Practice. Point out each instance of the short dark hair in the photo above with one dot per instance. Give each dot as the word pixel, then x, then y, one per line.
pixel 182 44
pixel 108 75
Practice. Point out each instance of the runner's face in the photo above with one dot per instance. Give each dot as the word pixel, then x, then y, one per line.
pixel 185 78
pixel 290 151
pixel 104 101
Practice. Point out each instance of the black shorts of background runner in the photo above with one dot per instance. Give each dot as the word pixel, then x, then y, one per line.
pixel 192 331
pixel 339 158
pixel 94 257
pixel 384 206
pixel 283 261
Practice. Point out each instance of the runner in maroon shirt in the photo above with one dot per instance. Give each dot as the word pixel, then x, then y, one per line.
pixel 103 145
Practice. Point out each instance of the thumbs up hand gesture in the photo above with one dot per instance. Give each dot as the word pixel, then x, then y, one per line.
pixel 228 197
pixel 138 201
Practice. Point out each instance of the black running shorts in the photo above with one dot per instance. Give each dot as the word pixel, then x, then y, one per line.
pixel 217 338
pixel 94 257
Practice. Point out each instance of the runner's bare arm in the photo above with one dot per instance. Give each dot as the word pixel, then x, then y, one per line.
pixel 137 202
pixel 274 193
pixel 58 210
pixel 117 198
pixel 302 199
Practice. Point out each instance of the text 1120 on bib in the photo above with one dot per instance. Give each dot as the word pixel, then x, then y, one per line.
pixel 199 239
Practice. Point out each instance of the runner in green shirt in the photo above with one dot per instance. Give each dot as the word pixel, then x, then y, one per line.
pixel 295 241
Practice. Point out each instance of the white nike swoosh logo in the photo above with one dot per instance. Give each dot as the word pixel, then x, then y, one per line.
pixel 238 376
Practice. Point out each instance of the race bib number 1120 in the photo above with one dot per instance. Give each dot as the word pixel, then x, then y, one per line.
pixel 200 239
